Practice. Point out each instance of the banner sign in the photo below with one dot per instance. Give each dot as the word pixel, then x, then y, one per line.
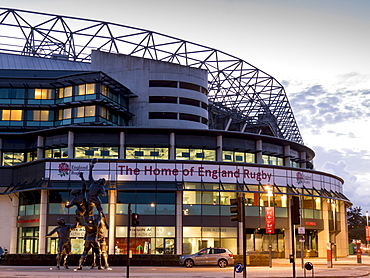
pixel 189 172
pixel 367 233
pixel 270 220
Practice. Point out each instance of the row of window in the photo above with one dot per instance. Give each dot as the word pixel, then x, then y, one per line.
pixel 177 116
pixel 177 100
pixel 177 84
pixel 62 116
pixel 66 94
pixel 14 158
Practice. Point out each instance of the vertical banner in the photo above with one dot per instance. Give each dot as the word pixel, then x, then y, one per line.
pixel 367 233
pixel 270 220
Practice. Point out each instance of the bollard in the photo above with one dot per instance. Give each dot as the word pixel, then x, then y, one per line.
pixel 308 266
pixel 358 252
pixel 329 255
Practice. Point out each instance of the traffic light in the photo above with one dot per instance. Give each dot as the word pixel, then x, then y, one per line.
pixel 295 210
pixel 135 219
pixel 237 207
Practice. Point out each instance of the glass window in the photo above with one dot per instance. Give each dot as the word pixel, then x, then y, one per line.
pixel 12 158
pixel 96 152
pixel 12 115
pixel 65 92
pixel 232 156
pixel 56 153
pixel 67 113
pixel 28 240
pixel 86 89
pixel 195 154
pixel 86 111
pixel 146 153
pixel 43 93
pixel 41 115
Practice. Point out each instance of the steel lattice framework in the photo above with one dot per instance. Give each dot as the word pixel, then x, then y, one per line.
pixel 239 92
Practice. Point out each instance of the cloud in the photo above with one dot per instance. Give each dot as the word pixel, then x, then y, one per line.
pixel 350 165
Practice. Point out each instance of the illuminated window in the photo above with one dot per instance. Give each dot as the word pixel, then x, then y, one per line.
pixel 86 111
pixel 86 89
pixel 96 152
pixel 65 92
pixel 195 154
pixel 146 153
pixel 232 156
pixel 12 158
pixel 12 115
pixel 56 153
pixel 31 156
pixel 41 115
pixel 43 93
pixel 272 160
pixel 67 113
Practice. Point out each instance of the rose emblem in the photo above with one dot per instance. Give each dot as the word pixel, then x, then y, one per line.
pixel 63 169
pixel 299 178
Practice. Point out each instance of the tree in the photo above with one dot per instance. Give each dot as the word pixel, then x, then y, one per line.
pixel 356 224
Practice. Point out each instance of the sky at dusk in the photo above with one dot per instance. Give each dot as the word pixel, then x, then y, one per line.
pixel 318 49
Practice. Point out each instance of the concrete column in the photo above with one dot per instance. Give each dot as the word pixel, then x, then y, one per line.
pixel 40 144
pixel 179 234
pixel 288 234
pixel 341 238
pixel 303 157
pixel 71 139
pixel 14 229
pixel 324 236
pixel 112 199
pixel 259 152
pixel 43 221
pixel 172 146
pixel 287 156
pixel 219 148
pixel 122 149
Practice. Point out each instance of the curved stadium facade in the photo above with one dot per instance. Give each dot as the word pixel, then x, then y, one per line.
pixel 179 129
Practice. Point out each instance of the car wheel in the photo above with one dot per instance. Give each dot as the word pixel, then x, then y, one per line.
pixel 189 263
pixel 222 263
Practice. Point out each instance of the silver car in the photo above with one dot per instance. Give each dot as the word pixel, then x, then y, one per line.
pixel 208 256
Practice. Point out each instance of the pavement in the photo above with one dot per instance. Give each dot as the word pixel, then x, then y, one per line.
pixel 281 268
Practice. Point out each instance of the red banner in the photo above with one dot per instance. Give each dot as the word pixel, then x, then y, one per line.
pixel 270 220
pixel 367 233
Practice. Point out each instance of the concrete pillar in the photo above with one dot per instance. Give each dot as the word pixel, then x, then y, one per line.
pixel 43 221
pixel 112 199
pixel 287 155
pixel 303 157
pixel 219 148
pixel 40 144
pixel 324 236
pixel 259 151
pixel 341 238
pixel 172 146
pixel 288 234
pixel 122 149
pixel 179 234
pixel 71 139
pixel 13 226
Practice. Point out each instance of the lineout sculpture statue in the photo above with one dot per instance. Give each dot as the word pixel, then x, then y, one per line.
pixel 94 226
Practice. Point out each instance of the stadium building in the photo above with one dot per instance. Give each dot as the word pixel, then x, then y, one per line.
pixel 178 128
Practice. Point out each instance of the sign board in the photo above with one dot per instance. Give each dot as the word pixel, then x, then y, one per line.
pixel 367 233
pixel 270 220
pixel 301 238
pixel 238 268
pixel 301 230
